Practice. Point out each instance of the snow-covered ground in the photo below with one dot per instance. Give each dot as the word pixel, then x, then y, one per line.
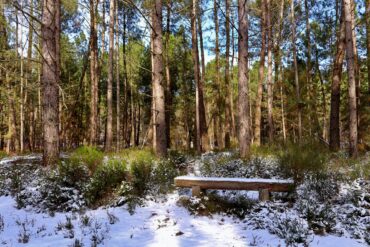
pixel 156 224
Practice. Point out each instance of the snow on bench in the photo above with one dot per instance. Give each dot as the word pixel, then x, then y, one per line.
pixel 264 186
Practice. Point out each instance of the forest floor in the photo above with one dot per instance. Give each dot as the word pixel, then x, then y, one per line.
pixel 177 219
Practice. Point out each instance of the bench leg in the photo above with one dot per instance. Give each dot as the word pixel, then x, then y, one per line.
pixel 264 195
pixel 195 191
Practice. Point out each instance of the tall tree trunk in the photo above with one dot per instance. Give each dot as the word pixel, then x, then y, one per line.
pixel 168 76
pixel 158 84
pixel 58 26
pixel 232 113
pixel 138 129
pixel 200 33
pixel 261 76
pixel 13 141
pixel 118 84
pixel 243 97
pixel 125 83
pixel 324 124
pixel 310 86
pixel 93 73
pixel 350 56
pixel 204 136
pixel 355 55
pixel 270 94
pixel 217 117
pixel 228 88
pixel 109 130
pixel 278 67
pixel 368 42
pixel 295 64
pixel 334 135
pixel 29 74
pixel 50 80
pixel 201 129
pixel 103 23
pixel 20 48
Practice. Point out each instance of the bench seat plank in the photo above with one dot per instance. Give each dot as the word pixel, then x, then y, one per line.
pixel 272 185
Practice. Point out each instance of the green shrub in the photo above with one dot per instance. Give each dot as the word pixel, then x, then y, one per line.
pixel 107 177
pixel 265 150
pixel 163 175
pixel 3 154
pixel 176 157
pixel 89 156
pixel 141 170
pixel 72 173
pixel 296 160
pixel 133 154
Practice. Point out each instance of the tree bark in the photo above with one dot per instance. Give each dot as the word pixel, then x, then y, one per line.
pixel 228 88
pixel 217 117
pixel 324 124
pixel 295 64
pixel 126 129
pixel 109 130
pixel 310 86
pixel 50 80
pixel 29 74
pixel 355 56
pixel 243 97
pixel 13 141
pixel 232 113
pixel 168 76
pixel 200 32
pixel 367 12
pixel 93 73
pixel 270 94
pixel 20 47
pixel 118 85
pixel 352 100
pixel 158 83
pixel 278 67
pixel 201 129
pixel 261 76
pixel 334 135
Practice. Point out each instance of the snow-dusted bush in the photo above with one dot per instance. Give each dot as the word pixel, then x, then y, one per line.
pixel 24 234
pixel 291 228
pixel 213 203
pixel 66 227
pixel 229 166
pixel 353 209
pixel 44 189
pixel 313 201
pixel 71 173
pixel 77 243
pixel 60 189
pixel 162 176
pixel 177 158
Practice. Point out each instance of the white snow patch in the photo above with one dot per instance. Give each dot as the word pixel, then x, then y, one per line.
pixel 157 224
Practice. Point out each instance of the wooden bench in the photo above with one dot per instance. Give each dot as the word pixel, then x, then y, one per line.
pixel 264 186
